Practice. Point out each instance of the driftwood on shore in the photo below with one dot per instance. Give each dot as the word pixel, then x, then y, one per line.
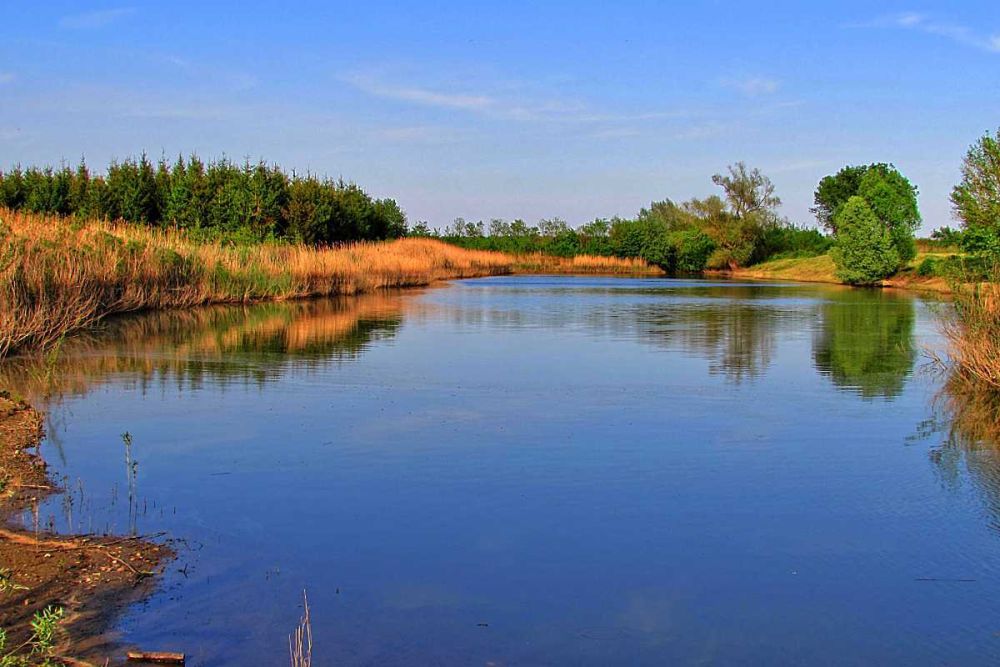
pixel 159 657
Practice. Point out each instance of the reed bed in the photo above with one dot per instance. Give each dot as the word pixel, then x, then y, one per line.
pixel 972 328
pixel 58 276
pixel 584 264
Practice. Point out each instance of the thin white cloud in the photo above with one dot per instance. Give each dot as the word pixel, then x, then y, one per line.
pixel 960 34
pixel 796 166
pixel 504 106
pixel 617 133
pixel 419 134
pixel 422 96
pixel 6 77
pixel 707 130
pixel 229 79
pixel 95 19
pixel 753 86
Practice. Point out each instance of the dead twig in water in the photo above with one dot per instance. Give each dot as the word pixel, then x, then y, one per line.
pixel 160 657
pixel 300 643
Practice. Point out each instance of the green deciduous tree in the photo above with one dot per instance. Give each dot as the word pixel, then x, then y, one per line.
pixel 893 200
pixel 976 200
pixel 864 252
pixel 739 221
pixel 834 191
pixel 891 197
pixel 748 191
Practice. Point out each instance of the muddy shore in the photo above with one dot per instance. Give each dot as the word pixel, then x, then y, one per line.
pixel 93 578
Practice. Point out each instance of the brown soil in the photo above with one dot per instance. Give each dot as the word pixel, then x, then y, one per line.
pixel 92 578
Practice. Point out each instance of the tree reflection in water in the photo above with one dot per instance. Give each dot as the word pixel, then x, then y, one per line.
pixel 865 343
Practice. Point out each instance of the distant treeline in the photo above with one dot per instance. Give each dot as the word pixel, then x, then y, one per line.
pixel 218 199
pixel 737 229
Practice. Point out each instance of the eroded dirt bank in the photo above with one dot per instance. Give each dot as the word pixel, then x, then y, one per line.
pixel 93 578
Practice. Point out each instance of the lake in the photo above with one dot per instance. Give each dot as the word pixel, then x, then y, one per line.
pixel 538 471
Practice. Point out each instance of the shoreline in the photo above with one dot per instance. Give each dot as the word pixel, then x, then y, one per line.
pixel 902 281
pixel 92 578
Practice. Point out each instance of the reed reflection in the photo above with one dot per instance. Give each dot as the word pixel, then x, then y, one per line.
pixel 971 444
pixel 221 344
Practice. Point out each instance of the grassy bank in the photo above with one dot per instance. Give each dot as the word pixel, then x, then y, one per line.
pixel 821 269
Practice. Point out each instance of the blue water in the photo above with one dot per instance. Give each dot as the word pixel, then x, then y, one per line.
pixel 541 471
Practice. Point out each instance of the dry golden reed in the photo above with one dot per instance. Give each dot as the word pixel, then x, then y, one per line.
pixel 583 264
pixel 972 329
pixel 57 276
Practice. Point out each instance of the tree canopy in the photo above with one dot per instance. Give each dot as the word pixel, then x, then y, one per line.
pixel 976 200
pixel 219 199
pixel 864 252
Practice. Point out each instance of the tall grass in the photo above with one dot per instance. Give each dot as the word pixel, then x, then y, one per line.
pixel 57 277
pixel 972 328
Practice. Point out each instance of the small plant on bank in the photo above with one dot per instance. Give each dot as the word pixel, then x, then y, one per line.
pixel 39 646
pixel 7 583
pixel 43 627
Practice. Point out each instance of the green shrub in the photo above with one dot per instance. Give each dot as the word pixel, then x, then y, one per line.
pixel 928 268
pixel 692 251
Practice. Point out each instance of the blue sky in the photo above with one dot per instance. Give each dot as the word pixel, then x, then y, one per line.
pixel 531 110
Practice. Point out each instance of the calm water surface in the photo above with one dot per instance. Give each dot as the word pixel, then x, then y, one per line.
pixel 538 471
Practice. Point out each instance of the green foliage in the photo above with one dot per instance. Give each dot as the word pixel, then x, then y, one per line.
pixel 928 268
pixel 739 222
pixel 893 200
pixel 967 268
pixel 747 191
pixel 947 237
pixel 789 241
pixel 693 248
pixel 976 200
pixel 890 197
pixel 43 627
pixel 981 241
pixel 834 191
pixel 864 252
pixel 40 645
pixel 421 229
pixel 220 200
pixel 736 229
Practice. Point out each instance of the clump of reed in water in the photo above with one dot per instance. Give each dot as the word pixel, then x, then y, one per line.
pixel 972 329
